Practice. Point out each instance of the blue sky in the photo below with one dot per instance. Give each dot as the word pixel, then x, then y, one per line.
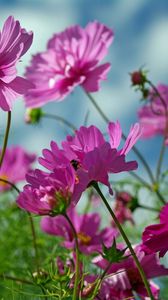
pixel 141 31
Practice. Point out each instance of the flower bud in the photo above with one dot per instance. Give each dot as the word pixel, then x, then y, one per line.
pixel 33 115
pixel 138 78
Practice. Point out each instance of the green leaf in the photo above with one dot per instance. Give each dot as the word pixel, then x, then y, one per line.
pixel 113 254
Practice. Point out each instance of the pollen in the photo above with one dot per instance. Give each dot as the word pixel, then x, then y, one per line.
pixel 3 177
pixel 84 238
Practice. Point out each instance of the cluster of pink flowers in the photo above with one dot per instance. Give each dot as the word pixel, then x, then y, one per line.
pixel 83 159
pixel 123 278
pixel 73 57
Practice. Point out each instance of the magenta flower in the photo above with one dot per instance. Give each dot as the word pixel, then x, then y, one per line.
pixel 72 58
pixel 122 207
pixel 16 164
pixel 14 43
pixel 155 236
pixel 124 276
pixel 107 290
pixel 87 226
pixel 83 159
pixel 152 116
pixel 48 193
pixel 91 156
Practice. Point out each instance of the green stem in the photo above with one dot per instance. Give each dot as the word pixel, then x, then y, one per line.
pixel 5 138
pixel 140 179
pixel 60 119
pixel 139 267
pixel 77 270
pixel 11 184
pixel 158 94
pixel 34 241
pixel 149 208
pixel 136 151
pixel 99 282
pixel 16 279
pixel 161 156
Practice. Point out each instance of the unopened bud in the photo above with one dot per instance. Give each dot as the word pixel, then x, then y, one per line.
pixel 33 115
pixel 138 78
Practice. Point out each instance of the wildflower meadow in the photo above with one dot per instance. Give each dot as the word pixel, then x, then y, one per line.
pixel 68 221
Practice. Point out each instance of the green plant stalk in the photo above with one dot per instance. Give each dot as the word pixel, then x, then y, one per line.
pixel 162 151
pixel 5 138
pixel 161 156
pixel 60 119
pixel 136 151
pixel 75 290
pixel 96 289
pixel 139 267
pixel 11 184
pixel 7 277
pixel 34 241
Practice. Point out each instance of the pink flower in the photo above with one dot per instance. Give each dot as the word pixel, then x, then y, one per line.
pixel 124 276
pixel 48 193
pixel 155 236
pixel 107 290
pixel 91 156
pixel 71 59
pixel 90 237
pixel 16 164
pixel 14 43
pixel 152 116
pixel 83 159
pixel 122 207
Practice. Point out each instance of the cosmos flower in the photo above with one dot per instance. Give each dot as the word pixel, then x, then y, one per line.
pixel 154 116
pixel 17 162
pixel 124 276
pixel 83 159
pixel 122 207
pixel 48 193
pixel 14 43
pixel 87 227
pixel 91 156
pixel 72 58
pixel 155 236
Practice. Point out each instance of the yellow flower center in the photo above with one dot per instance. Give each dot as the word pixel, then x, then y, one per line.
pixel 3 177
pixel 84 238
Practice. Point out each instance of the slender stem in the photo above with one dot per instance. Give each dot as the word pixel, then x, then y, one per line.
pixel 76 287
pixel 5 138
pixel 140 179
pixel 158 94
pixel 149 208
pixel 102 114
pixel 16 279
pixel 58 118
pixel 143 161
pixel 161 156
pixel 11 184
pixel 162 151
pixel 34 241
pixel 160 196
pixel 31 224
pixel 139 267
pixel 96 289
pixel 136 151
